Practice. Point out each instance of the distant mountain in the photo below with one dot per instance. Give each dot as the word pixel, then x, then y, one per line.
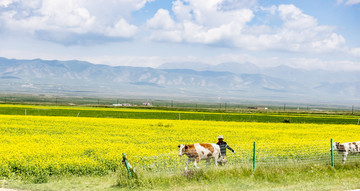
pixel 312 83
pixel 186 65
pixel 228 81
pixel 232 67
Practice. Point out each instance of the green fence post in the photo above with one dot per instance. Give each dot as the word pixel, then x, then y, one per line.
pixel 332 153
pixel 126 164
pixel 254 156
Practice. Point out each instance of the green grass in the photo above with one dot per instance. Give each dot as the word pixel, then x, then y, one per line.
pixel 156 113
pixel 310 177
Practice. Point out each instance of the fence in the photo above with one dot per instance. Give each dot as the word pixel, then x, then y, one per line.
pixel 266 154
pixel 175 115
pixel 43 99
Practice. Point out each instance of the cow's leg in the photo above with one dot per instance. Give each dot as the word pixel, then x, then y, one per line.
pixel 220 160
pixel 196 161
pixel 216 159
pixel 344 157
pixel 208 161
pixel 187 163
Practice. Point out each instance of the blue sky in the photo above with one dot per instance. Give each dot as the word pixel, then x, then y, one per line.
pixel 320 34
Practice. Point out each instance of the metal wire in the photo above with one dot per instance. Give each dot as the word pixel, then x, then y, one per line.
pixel 315 152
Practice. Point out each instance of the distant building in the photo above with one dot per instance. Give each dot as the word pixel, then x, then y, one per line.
pixel 121 104
pixel 259 108
pixel 147 104
pixel 117 104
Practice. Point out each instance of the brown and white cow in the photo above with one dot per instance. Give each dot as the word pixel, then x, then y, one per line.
pixel 347 148
pixel 200 151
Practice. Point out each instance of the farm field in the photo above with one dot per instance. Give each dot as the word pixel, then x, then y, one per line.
pixel 156 113
pixel 38 148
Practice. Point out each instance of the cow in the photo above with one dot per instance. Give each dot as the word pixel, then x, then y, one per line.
pixel 200 151
pixel 346 148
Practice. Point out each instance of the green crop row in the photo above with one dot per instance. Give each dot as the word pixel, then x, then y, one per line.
pixel 177 115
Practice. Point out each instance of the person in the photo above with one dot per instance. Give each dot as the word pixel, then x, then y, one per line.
pixel 223 146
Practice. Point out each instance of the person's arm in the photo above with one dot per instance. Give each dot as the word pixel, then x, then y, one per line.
pixel 228 147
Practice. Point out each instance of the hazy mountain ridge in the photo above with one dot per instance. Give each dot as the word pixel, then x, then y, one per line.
pixel 283 72
pixel 228 80
pixel 315 81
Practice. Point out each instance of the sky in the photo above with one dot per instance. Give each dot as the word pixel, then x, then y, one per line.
pixel 307 34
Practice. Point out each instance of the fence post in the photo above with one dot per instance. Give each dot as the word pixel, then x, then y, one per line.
pixel 25 112
pixel 332 153
pixel 254 156
pixel 126 164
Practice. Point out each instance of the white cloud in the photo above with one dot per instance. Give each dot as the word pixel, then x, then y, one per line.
pixel 229 23
pixel 352 2
pixel 6 3
pixel 302 33
pixel 161 20
pixel 198 21
pixel 164 27
pixel 237 4
pixel 294 18
pixel 355 52
pixel 121 29
pixel 64 16
pixel 272 9
pixel 209 13
pixel 331 43
pixel 167 36
pixel 205 22
pixel 80 17
pixel 348 2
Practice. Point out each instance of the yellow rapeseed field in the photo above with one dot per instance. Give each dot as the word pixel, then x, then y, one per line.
pixel 31 145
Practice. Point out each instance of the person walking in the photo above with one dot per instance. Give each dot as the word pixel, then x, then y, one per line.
pixel 223 146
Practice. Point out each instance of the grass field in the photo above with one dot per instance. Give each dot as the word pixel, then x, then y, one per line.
pixel 154 113
pixel 228 178
pixel 49 147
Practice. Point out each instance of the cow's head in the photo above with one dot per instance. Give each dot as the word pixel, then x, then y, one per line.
pixel 334 146
pixel 339 147
pixel 182 149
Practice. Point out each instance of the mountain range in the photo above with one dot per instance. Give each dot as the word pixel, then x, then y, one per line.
pixel 189 81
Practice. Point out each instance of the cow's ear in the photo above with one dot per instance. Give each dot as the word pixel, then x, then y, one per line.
pixel 186 147
pixel 179 146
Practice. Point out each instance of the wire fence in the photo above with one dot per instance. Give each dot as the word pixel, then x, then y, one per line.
pixel 267 154
pixel 48 99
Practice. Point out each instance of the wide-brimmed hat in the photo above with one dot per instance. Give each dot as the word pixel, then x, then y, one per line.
pixel 220 137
